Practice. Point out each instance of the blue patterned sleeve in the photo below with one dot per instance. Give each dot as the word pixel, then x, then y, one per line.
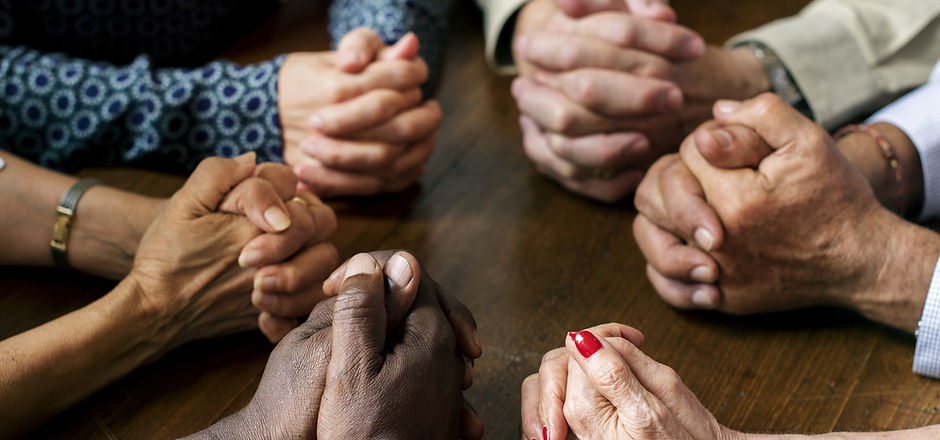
pixel 67 113
pixel 392 19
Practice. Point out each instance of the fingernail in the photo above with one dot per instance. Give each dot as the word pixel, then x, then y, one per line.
pixel 695 48
pixel 266 284
pixel 704 239
pixel 247 158
pixel 727 107
pixel 702 299
pixel 670 100
pixel 360 264
pixel 586 342
pixel 316 121
pixel 249 258
pixel 703 274
pixel 722 137
pixel 277 218
pixel 261 300
pixel 399 271
pixel 545 433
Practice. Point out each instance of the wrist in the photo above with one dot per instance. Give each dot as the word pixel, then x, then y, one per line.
pixel 109 224
pixel 898 273
pixel 865 153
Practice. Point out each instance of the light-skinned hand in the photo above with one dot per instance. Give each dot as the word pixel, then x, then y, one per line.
pixel 607 87
pixel 795 223
pixel 354 120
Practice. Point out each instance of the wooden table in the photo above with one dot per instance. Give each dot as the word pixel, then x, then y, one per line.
pixel 532 262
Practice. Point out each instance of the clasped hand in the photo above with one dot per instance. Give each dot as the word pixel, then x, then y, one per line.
pixel 354 121
pixel 386 356
pixel 233 227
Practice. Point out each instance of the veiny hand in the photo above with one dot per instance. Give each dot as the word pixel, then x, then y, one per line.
pixel 414 372
pixel 801 228
pixel 185 267
pixel 543 393
pixel 615 391
pixel 354 121
pixel 624 89
pixel 293 258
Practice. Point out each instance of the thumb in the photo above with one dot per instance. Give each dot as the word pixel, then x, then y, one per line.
pixel 405 49
pixel 212 180
pixel 733 146
pixel 357 49
pixel 359 317
pixel 780 125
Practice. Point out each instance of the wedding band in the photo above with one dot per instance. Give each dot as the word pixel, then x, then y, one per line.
pixel 298 199
pixel 2 163
pixel 603 173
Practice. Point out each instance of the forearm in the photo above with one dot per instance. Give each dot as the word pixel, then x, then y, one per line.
pixel 929 432
pixel 47 369
pixel 106 227
pixel 95 114
pixel 902 267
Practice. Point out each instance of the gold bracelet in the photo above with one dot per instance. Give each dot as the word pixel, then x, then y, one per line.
pixel 65 212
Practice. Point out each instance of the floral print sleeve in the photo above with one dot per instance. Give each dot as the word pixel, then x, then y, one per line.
pixel 68 113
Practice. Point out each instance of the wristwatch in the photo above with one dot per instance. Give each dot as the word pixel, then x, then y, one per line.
pixel 781 83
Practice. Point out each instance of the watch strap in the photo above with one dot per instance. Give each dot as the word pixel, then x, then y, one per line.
pixel 781 82
pixel 65 213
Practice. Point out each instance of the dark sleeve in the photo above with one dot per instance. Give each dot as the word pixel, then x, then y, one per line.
pixel 392 19
pixel 68 113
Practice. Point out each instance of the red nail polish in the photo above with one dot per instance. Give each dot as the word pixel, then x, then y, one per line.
pixel 545 433
pixel 586 342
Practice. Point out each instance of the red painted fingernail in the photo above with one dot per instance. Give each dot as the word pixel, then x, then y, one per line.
pixel 545 435
pixel 586 342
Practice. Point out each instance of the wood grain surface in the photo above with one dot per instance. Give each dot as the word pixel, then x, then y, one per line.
pixel 531 260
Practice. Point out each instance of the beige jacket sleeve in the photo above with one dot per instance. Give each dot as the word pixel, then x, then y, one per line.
pixel 850 57
pixel 499 22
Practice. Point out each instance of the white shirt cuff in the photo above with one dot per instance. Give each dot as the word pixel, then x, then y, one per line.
pixel 927 350
pixel 918 115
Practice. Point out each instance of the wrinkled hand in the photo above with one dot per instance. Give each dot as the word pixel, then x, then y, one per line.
pixel 354 121
pixel 293 257
pixel 609 86
pixel 543 393
pixel 789 221
pixel 186 263
pixel 612 390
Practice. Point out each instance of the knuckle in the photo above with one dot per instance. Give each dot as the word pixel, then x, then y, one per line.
pixel 612 378
pixel 553 355
pixel 671 380
pixel 585 88
pixel 334 90
pixel 407 128
pixel 627 34
pixel 567 56
pixel 562 120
